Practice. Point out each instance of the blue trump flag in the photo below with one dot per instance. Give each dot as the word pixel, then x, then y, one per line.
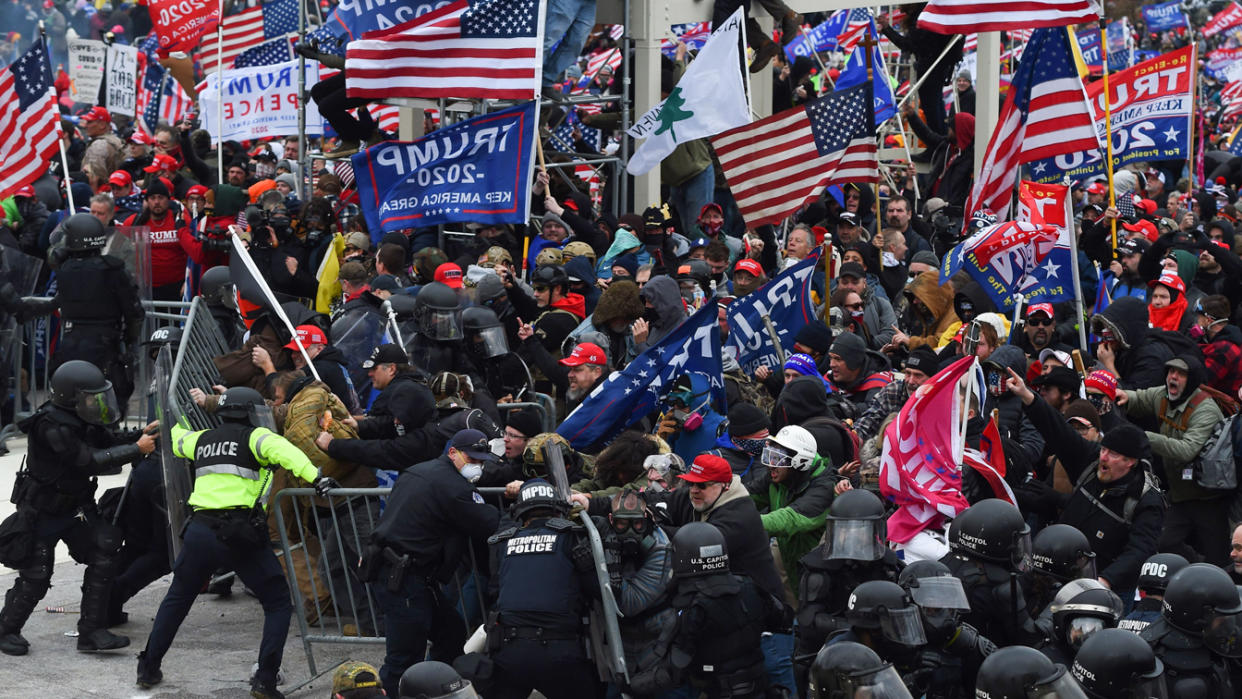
pixel 786 301
pixel 478 170
pixel 855 73
pixel 822 37
pixel 1015 257
pixel 353 18
pixel 1165 16
pixel 630 394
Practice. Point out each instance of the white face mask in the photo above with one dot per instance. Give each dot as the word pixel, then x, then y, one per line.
pixel 472 471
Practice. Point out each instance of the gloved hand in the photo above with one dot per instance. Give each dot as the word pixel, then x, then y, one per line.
pixel 325 483
pixel 308 50
pixel 1038 496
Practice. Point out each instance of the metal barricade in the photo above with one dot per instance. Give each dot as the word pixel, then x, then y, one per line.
pixel 193 367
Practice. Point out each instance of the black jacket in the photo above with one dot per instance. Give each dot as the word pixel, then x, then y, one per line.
pixel 1011 423
pixel 392 437
pixel 1141 363
pixel 1098 509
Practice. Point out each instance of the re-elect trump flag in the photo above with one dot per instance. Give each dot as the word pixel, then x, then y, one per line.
pixel 476 170
pixel 630 394
pixel 786 301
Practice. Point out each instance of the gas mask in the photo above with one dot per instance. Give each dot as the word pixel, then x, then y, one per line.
pixel 632 533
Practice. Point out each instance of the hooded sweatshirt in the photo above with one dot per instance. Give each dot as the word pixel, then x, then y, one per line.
pixel 580 268
pixel 939 301
pixel 1139 363
pixel 668 307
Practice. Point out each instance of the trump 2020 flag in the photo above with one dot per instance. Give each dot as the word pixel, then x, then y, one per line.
pixel 709 98
pixel 476 170
pixel 1165 16
pixel 1016 257
pixel 786 301
pixel 628 395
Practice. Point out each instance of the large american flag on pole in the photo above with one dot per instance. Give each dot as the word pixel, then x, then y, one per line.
pixel 776 164
pixel 1045 115
pixel 484 49
pixel 920 466
pixel 248 29
pixel 29 119
pixel 965 16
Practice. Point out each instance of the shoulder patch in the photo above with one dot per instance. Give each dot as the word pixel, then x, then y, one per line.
pixel 500 536
pixel 477 497
pixel 561 525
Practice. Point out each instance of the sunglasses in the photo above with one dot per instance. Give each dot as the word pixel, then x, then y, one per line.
pixel 701 486
pixel 1039 321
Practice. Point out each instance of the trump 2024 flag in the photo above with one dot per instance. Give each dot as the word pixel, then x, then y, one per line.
pixel 709 98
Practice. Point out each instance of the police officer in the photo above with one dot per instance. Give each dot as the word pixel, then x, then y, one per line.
pixel 720 620
pixel 487 346
pixel 216 288
pixel 100 313
pixel 1081 609
pixel 854 551
pixel 845 670
pixel 433 514
pixel 233 467
pixel 987 545
pixel 1117 664
pixel 535 638
pixel 1153 578
pixel 1198 632
pixel 70 444
pixel 432 679
pixel 954 648
pixel 1021 672
pixel 1060 553
pixel 437 341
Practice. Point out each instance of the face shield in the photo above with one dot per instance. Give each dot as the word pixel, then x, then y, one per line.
pixel 884 683
pixel 776 456
pixel 261 416
pixel 1080 629
pixel 492 342
pixel 903 626
pixel 1223 635
pixel 1062 687
pixel 441 323
pixel 941 599
pixel 1150 687
pixel 854 539
pixel 98 407
pixel 1020 553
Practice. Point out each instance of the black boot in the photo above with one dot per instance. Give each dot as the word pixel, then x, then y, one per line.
pixel 100 639
pixel 148 675
pixel 12 643
pixel 93 634
pixel 264 689
pixel 20 601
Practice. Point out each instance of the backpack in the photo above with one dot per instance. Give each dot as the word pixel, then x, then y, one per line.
pixel 1215 467
pixel 1131 502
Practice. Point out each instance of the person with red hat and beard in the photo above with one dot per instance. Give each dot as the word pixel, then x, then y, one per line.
pixel 168 255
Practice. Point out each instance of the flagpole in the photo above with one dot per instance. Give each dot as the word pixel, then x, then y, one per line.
pixel 869 43
pixel 302 105
pixel 239 250
pixel 60 140
pixel 1190 133
pixel 1108 126
pixel 930 69
pixel 220 103
pixel 1073 236
pixel 905 143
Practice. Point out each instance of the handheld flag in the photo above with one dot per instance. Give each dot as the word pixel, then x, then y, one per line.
pixel 854 72
pixel 786 301
pixel 253 288
pixel 29 118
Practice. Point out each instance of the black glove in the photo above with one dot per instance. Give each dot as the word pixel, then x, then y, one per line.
pixel 325 483
pixel 308 50
pixel 1038 496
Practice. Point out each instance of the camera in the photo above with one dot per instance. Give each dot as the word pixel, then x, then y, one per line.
pixel 260 218
pixel 946 229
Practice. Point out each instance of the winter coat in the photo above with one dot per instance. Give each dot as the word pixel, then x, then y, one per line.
pixel 399 431
pixel 794 513
pixel 1140 363
pixel 1184 429
pixel 938 299
pixel 1011 422
pixel 665 296
pixel 580 268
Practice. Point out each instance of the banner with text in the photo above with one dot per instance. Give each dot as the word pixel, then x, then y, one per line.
pixel 1225 19
pixel 786 301
pixel 86 69
pixel 1150 119
pixel 180 24
pixel 478 170
pixel 1165 16
pixel 259 101
pixel 122 92
pixel 353 18
pixel 1222 62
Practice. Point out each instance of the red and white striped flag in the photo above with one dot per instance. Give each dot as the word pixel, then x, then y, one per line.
pixel 1045 115
pixel 965 16
pixel 616 31
pixel 920 466
pixel 29 119
pixel 775 164
pixel 246 30
pixel 488 51
pixel 858 22
pixel 175 103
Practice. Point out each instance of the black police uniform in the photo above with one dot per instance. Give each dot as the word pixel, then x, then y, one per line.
pixel 1145 613
pixel 1191 670
pixel 993 599
pixel 824 589
pixel 58 491
pixel 144 520
pixel 536 641
pixel 432 516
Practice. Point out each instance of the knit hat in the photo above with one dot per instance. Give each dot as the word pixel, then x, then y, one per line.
pixel 803 364
pixel 1127 440
pixel 817 336
pixel 353 272
pixel 526 421
pixel 628 262
pixel 926 257
pixel 553 218
pixel 489 287
pixel 288 179
pixel 923 359
pixel 851 348
pixel 1084 410
pixel 745 419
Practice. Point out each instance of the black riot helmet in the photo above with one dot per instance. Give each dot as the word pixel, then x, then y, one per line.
pixel 1118 664
pixel 845 670
pixel 699 550
pixel 880 605
pixel 80 386
pixel 992 530
pixel 216 287
pixel 434 680
pixel 484 333
pixel 855 527
pixel 241 404
pixel 1020 672
pixel 84 234
pixel 537 494
pixel 1082 608
pixel 438 312
pixel 168 335
pixel 551 276
pixel 1156 572
pixel 940 597
pixel 1201 600
pixel 1062 553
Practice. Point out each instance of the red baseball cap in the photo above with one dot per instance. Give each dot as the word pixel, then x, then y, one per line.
pixel 1045 308
pixel 96 113
pixel 1170 280
pixel 1146 205
pixel 708 468
pixel 748 265
pixel 161 161
pixel 309 335
pixel 586 353
pixel 121 179
pixel 25 191
pixel 1102 381
pixel 197 190
pixel 141 138
pixel 449 273
pixel 1147 228
pixel 1097 188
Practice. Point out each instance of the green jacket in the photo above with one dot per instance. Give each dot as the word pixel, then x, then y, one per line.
pixel 795 512
pixel 1184 430
pixel 215 491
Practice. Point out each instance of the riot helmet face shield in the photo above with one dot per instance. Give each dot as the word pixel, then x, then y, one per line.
pixel 1223 635
pixel 98 406
pixel 1020 553
pixel 854 539
pixel 942 601
pixel 1081 628
pixel 440 323
pixel 492 342
pixel 883 683
pixel 903 626
pixel 1150 688
pixel 1062 687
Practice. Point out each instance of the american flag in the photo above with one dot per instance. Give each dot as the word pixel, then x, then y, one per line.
pixel 971 42
pixel 386 116
pixel 610 58
pixel 692 34
pixel 1045 115
pixel 965 16
pixel 775 164
pixel 563 136
pixel 265 54
pixel 481 49
pixel 248 29
pixel 174 102
pixel 616 31
pixel 29 119
pixel 856 26
pixel 149 96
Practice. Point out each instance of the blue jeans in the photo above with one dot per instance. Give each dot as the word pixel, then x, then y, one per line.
pixel 778 659
pixel 689 197
pixel 408 618
pixel 568 24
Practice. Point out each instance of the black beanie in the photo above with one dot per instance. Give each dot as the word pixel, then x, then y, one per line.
pixel 1127 440
pixel 815 335
pixel 526 421
pixel 851 348
pixel 924 359
pixel 745 419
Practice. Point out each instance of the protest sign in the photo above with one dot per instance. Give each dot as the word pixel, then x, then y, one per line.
pixel 86 69
pixel 259 101
pixel 478 170
pixel 122 92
